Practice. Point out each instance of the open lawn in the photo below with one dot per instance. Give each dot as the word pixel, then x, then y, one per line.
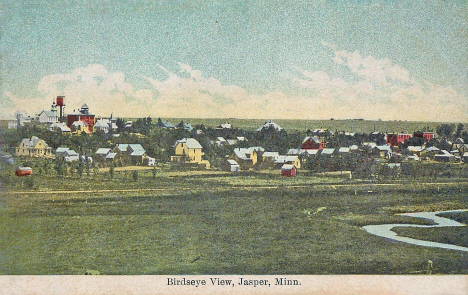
pixel 249 223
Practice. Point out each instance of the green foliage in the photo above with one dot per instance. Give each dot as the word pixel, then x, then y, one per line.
pixel 135 175
pixel 445 130
pixel 111 170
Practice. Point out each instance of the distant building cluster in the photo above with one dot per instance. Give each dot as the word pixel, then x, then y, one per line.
pixel 319 144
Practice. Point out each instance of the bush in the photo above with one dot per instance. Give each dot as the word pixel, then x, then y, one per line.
pixel 135 175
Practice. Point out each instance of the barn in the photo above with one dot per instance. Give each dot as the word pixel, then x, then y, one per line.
pixel 23 171
pixel 288 170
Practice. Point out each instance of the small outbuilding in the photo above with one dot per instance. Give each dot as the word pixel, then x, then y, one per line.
pixel 288 170
pixel 232 165
pixel 23 171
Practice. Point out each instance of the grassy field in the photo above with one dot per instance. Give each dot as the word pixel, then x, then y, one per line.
pixel 362 126
pixel 190 223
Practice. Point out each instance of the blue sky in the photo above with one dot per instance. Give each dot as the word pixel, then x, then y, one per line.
pixel 403 60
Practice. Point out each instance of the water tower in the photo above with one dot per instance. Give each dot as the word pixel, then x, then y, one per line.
pixel 60 104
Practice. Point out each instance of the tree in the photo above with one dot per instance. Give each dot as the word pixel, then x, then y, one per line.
pixel 111 170
pixel 445 130
pixel 154 173
pixel 459 131
pixel 120 125
pixel 79 166
pixel 135 175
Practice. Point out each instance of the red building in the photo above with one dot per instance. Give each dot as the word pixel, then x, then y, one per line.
pixel 312 143
pixel 395 139
pixel 426 135
pixel 23 171
pixel 288 170
pixel 81 115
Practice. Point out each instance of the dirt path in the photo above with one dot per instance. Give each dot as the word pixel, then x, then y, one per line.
pixel 233 187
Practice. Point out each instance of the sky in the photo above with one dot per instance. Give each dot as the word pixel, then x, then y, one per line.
pixel 387 60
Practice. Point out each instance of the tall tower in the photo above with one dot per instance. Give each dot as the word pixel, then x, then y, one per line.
pixel 61 105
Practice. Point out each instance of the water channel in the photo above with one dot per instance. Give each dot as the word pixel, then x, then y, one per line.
pixel 385 230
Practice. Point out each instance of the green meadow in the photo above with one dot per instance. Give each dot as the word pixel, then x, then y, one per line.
pixel 219 223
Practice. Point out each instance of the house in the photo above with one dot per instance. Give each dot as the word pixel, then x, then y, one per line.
pixel 415 150
pixel 220 141
pixel 79 126
pixel 60 151
pixel 21 119
pixel 353 148
pixel 71 155
pixel 394 139
pixel 292 160
pixel 444 156
pixel 269 158
pixel 59 126
pixel 295 152
pixel 426 135
pixel 430 152
pixel 102 153
pixel 105 125
pixel 48 117
pixel 185 126
pixel 111 157
pixel 66 153
pixel 8 159
pixel 382 151
pixel 231 165
pixel 165 124
pixel 461 149
pixel 269 125
pixel 130 154
pixel 248 157
pixel 33 147
pixel 225 125
pixel 187 150
pixel 288 170
pixel 344 150
pixel 312 143
pixel 465 157
pixel 231 141
pixel 328 152
pixel 81 115
pixel 412 158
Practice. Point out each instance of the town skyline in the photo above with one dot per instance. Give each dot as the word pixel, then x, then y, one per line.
pixel 314 60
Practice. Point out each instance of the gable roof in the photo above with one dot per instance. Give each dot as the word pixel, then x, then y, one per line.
pixel 49 113
pixel 136 147
pixel 111 155
pixel 103 151
pixel 270 155
pixel 285 159
pixel 344 150
pixel 328 151
pixel 269 124
pixel 287 167
pixel 61 150
pixel 191 143
pixel 311 138
pixel 32 142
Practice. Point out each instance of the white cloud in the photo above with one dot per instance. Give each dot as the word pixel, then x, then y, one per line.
pixel 102 90
pixel 381 89
pixel 377 89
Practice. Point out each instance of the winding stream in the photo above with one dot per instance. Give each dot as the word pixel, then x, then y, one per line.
pixel 385 230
